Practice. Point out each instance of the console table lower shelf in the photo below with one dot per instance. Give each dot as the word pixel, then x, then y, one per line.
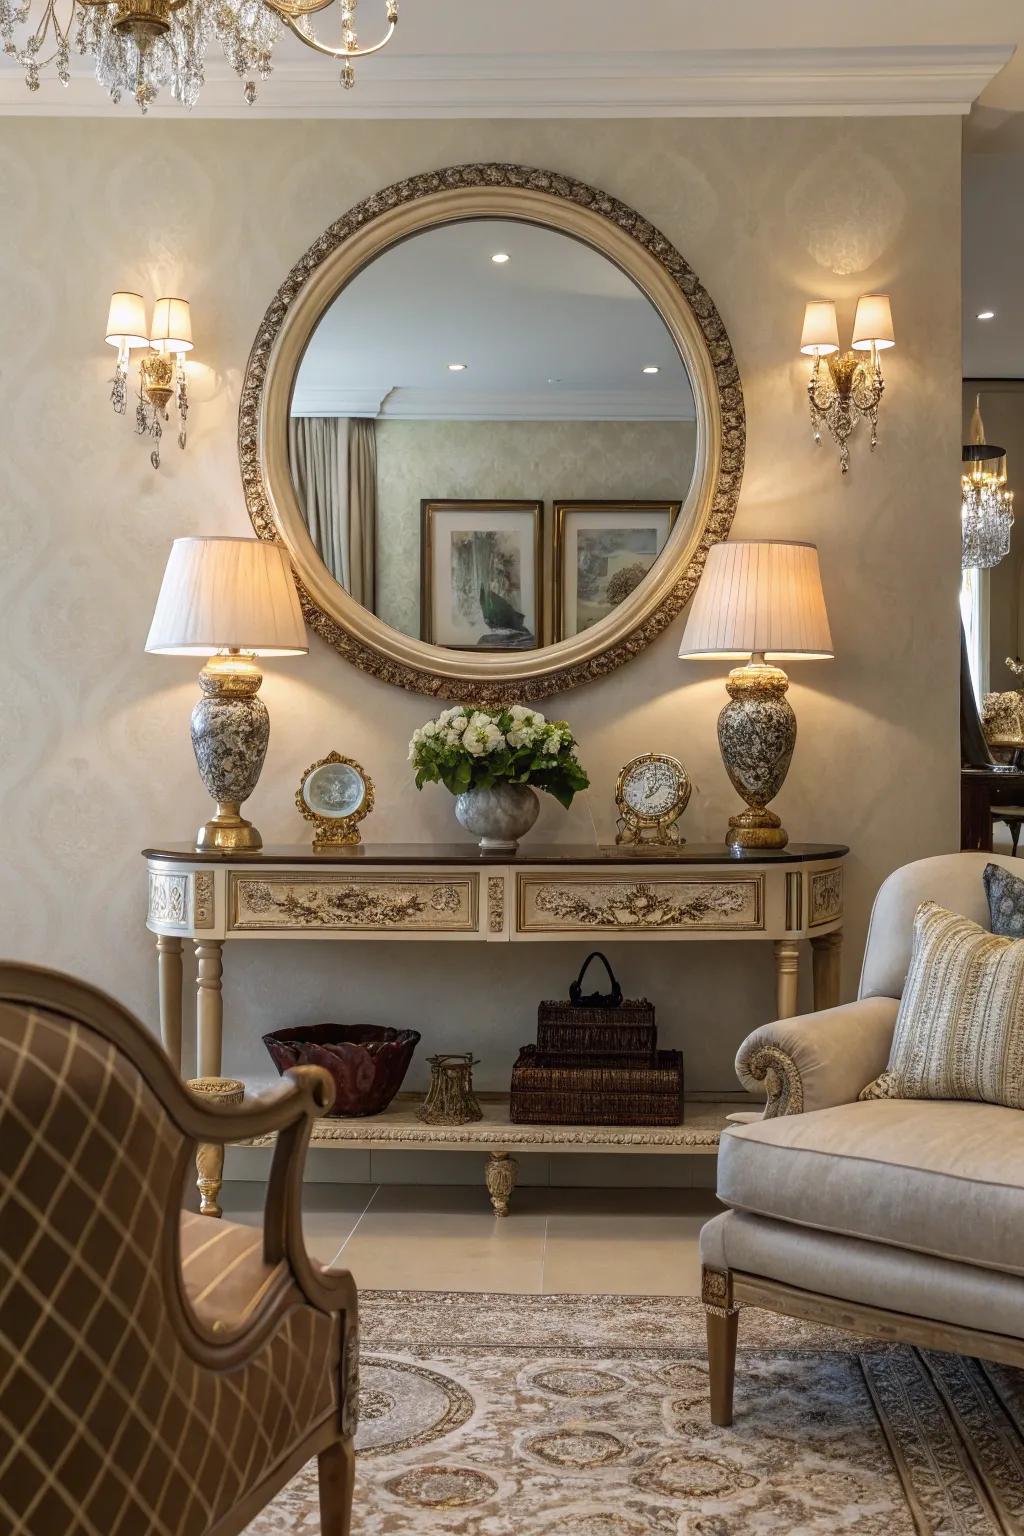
pixel 499 1140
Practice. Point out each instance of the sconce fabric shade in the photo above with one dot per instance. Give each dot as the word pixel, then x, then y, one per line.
pixel 126 320
pixel 172 325
pixel 821 330
pixel 759 597
pixel 873 323
pixel 224 594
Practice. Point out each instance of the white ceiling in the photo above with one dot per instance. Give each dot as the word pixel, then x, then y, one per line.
pixel 557 331
pixel 496 58
pixel 993 264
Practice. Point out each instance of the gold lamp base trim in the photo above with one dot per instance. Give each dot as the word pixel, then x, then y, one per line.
pixel 756 828
pixel 228 832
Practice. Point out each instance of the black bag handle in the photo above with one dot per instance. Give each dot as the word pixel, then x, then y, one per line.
pixel 610 999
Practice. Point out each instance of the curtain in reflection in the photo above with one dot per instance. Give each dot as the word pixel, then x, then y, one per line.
pixel 974 749
pixel 362 510
pixel 318 456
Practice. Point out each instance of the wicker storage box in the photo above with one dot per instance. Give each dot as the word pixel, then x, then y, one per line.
pixel 603 1090
pixel 629 1031
pixel 602 1024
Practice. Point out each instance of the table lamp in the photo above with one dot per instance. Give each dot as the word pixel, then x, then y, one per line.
pixel 758 600
pixel 231 600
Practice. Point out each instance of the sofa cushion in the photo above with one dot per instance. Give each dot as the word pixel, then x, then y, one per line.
pixel 943 1178
pixel 874 1274
pixel 1005 892
pixel 960 1028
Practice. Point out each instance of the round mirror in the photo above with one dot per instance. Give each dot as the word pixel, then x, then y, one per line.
pixel 497 424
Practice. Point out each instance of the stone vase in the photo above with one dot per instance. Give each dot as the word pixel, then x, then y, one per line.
pixel 498 817
pixel 230 731
pixel 756 735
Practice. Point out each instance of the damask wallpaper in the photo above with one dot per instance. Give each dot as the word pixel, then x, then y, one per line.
pixel 534 460
pixel 95 760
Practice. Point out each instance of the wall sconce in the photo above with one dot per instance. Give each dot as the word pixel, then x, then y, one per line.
pixel 851 384
pixel 161 368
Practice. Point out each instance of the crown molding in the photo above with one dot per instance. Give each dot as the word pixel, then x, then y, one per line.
pixel 809 82
pixel 406 404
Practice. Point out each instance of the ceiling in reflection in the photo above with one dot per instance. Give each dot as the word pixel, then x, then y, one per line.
pixel 554 332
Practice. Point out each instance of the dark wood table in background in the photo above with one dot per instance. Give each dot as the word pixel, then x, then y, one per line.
pixel 982 789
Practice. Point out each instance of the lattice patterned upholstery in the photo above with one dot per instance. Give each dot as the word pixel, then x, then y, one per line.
pixel 108 1426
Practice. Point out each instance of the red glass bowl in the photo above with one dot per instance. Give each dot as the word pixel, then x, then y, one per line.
pixel 367 1062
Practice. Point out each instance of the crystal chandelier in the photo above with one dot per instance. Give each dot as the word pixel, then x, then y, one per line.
pixel 986 511
pixel 143 46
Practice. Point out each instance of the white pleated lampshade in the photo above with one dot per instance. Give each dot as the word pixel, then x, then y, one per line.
pixel 126 320
pixel 820 335
pixel 227 594
pixel 172 325
pixel 759 597
pixel 872 324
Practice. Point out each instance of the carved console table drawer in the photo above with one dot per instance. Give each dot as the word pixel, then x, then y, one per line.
pixel 655 902
pixel 333 902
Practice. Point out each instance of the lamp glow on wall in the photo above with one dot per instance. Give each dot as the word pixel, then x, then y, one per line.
pixel 161 367
pixel 850 386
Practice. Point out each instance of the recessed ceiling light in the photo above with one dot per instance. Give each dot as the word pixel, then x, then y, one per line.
pixel 456 367
pixel 986 314
pixel 499 258
pixel 651 369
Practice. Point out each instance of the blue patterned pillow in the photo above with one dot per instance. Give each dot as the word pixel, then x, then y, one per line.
pixel 1005 894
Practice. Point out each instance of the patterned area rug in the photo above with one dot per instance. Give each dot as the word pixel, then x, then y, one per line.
pixel 587 1416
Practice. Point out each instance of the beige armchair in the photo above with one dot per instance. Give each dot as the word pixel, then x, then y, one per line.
pixel 160 1371
pixel 899 1219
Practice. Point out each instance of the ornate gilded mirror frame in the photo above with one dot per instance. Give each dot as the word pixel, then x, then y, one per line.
pixel 652 262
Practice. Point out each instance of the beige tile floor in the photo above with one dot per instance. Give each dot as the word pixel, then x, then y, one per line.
pixel 445 1237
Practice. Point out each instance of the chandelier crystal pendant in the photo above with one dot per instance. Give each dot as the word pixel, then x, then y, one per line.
pixel 144 46
pixel 986 510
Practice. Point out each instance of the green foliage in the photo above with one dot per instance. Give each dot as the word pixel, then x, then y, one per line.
pixel 478 748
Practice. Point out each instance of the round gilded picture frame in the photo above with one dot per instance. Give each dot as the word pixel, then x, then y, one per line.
pixel 652 262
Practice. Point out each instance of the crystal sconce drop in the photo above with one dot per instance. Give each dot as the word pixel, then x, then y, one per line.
pixel 161 367
pixel 850 385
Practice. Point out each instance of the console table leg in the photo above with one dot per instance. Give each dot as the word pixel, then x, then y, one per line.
pixel 787 975
pixel 826 958
pixel 209 1004
pixel 168 966
pixel 500 1176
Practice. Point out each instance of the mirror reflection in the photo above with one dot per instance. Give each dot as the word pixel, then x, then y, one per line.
pixel 491 436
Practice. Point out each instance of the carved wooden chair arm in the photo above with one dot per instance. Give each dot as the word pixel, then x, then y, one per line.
pixel 819 1059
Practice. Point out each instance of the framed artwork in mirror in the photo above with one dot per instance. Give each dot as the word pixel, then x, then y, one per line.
pixel 481 566
pixel 602 552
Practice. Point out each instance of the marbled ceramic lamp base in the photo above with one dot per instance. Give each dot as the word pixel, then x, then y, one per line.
pixel 757 734
pixel 230 731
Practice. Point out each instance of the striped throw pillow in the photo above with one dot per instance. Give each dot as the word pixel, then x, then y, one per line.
pixel 960 1028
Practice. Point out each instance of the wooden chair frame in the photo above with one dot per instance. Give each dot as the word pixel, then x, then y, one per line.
pixel 289 1113
pixel 723 1292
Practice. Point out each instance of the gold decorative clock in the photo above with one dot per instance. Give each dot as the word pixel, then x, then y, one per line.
pixel 335 794
pixel 651 793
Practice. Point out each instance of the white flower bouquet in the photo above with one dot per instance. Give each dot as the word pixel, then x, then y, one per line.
pixel 466 749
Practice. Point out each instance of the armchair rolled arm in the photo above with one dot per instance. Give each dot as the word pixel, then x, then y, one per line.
pixel 819 1059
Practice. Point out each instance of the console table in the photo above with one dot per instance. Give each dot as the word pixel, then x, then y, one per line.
pixel 452 894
